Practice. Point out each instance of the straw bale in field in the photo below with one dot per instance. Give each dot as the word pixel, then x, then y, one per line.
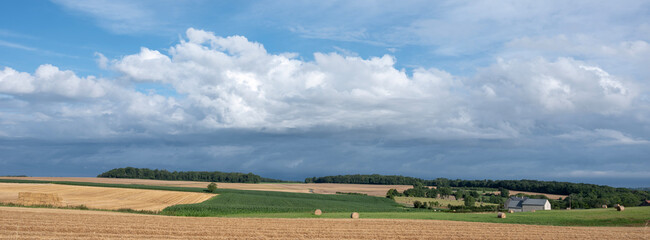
pixel 318 212
pixel 604 206
pixel 532 210
pixel 354 215
pixel 620 208
pixel 511 211
pixel 501 215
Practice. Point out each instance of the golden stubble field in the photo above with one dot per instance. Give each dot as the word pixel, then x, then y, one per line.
pixel 103 197
pixel 322 188
pixel 548 195
pixel 40 223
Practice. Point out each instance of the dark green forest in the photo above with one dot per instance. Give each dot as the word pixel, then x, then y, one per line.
pixel 367 179
pixel 145 173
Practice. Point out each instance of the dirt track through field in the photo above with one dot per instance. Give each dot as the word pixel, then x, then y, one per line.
pixel 40 223
pixel 104 198
pixel 323 188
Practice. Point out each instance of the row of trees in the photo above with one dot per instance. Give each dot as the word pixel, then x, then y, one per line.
pixel 584 195
pixel 420 190
pixel 366 179
pixel 145 173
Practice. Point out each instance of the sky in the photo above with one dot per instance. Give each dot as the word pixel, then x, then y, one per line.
pixel 546 90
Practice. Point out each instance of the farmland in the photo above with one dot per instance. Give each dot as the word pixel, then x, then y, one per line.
pixel 322 188
pixel 104 197
pixel 631 217
pixel 266 204
pixel 239 201
pixel 59 223
pixel 231 201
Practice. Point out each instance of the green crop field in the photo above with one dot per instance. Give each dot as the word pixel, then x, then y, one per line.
pixel 242 202
pixel 631 217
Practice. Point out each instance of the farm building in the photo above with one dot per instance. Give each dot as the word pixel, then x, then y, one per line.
pixel 525 204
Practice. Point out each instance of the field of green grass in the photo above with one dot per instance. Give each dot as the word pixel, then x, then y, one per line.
pixel 408 201
pixel 631 217
pixel 240 202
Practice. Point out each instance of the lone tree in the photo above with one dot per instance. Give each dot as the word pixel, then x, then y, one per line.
pixel 504 192
pixel 392 193
pixel 469 201
pixel 212 187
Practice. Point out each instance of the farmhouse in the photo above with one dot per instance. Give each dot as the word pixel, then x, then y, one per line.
pixel 525 204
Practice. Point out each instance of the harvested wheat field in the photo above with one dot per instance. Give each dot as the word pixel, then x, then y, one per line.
pixel 95 197
pixel 548 195
pixel 40 223
pixel 322 188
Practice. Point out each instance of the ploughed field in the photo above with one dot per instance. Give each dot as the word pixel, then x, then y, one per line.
pixel 41 223
pixel 96 197
pixel 322 188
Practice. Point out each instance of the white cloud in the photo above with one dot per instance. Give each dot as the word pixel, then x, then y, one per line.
pixel 606 174
pixel 604 137
pixel 16 45
pixel 231 82
pixel 101 60
pixel 565 85
pixel 50 80
pixel 118 16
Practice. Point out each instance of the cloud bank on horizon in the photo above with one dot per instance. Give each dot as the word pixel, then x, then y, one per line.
pixel 551 90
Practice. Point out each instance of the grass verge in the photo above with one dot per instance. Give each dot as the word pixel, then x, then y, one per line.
pixel 631 217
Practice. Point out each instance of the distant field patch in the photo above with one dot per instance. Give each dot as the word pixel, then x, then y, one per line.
pixel 408 201
pixel 322 188
pixel 95 197
pixel 548 195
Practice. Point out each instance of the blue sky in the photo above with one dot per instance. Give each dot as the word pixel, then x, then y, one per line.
pixel 549 90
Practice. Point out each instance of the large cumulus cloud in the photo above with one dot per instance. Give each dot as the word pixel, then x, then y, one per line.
pixel 227 84
pixel 230 82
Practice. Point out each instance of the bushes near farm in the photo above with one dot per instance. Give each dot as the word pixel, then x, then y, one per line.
pixel 212 187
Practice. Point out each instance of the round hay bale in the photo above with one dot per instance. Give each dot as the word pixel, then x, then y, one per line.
pixel 318 212
pixel 620 208
pixel 354 215
pixel 501 215
pixel 511 211
pixel 532 210
pixel 604 206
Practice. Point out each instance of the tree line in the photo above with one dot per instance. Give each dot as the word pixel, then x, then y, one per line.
pixel 367 179
pixel 581 195
pixel 145 173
